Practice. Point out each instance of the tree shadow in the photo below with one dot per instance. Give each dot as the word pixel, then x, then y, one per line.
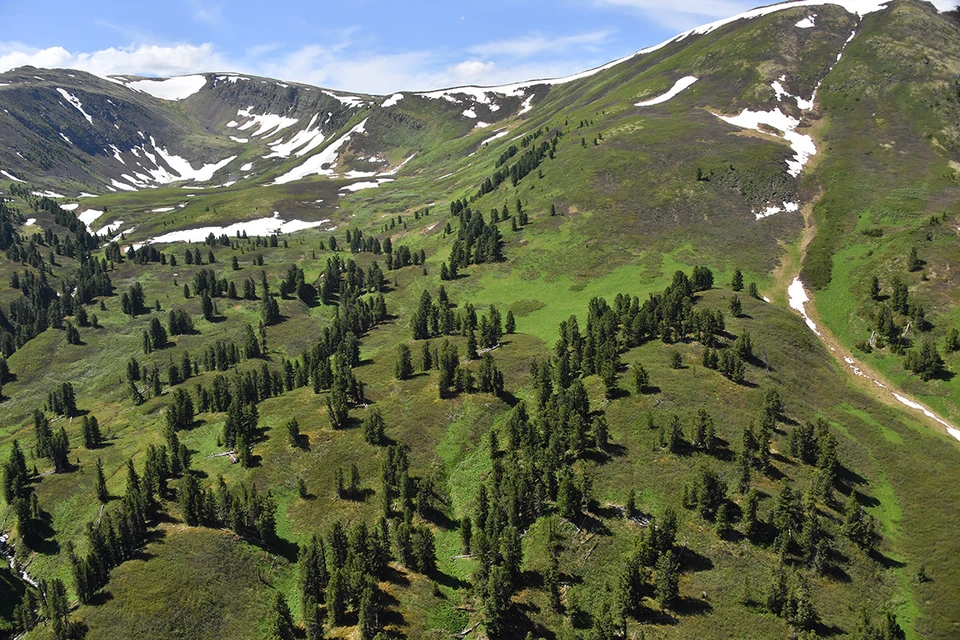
pixel 687 606
pixel 690 561
pixel 447 580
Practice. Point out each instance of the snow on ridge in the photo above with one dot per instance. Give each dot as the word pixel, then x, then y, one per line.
pixel 350 101
pixel 267 124
pixel 392 100
pixel 176 88
pixel 678 86
pixel 258 227
pixel 469 113
pixel 75 101
pixel 302 143
pixel 314 164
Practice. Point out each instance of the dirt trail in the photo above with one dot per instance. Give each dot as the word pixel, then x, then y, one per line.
pixel 867 379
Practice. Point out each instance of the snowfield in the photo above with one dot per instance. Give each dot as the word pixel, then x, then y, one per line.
pixel 314 165
pixel 798 297
pixel 176 88
pixel 72 99
pixel 258 227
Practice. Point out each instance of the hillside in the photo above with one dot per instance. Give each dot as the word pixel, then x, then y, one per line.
pixel 513 361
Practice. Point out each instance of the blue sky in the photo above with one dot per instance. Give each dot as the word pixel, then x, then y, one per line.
pixel 363 45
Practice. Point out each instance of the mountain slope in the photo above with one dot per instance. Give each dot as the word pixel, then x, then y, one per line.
pixel 731 146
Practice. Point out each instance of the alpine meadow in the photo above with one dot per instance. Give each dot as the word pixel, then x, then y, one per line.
pixel 668 348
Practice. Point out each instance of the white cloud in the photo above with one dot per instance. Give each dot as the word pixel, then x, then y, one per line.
pixel 151 60
pixel 535 44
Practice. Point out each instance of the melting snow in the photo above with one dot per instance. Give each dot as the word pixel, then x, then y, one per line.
pixel 240 140
pixel 769 211
pixel 176 88
pixel 798 296
pixel 162 209
pixel 392 100
pixel 29 222
pixel 801 144
pixel 678 86
pixel 481 124
pixel 314 164
pixel 11 176
pixel 122 186
pixel 268 124
pixel 370 184
pixel 70 207
pixel 66 138
pixel 498 134
pixel 48 194
pixel 393 171
pixel 259 227
pixel 246 167
pixel 350 101
pixel 807 22
pixel 928 413
pixel 470 113
pixel 76 103
pixel 302 142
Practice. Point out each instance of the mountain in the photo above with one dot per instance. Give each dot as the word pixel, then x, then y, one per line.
pixel 664 347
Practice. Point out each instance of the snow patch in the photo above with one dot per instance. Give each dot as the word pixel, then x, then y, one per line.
pixel 370 184
pixel 302 142
pixel 267 124
pixel 240 140
pixel 246 167
pixel 177 88
pixel 392 100
pixel 769 211
pixel 801 144
pixel 72 99
pixel 798 297
pixel 481 124
pixel 314 165
pixel 47 194
pixel 162 210
pixel 393 171
pixel 11 176
pixel 470 113
pixel 498 134
pixel 350 101
pixel 70 207
pixel 807 23
pixel 259 227
pixel 66 138
pixel 678 86
pixel 29 222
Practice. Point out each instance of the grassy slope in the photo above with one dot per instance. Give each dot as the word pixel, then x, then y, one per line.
pixel 614 237
pixel 888 167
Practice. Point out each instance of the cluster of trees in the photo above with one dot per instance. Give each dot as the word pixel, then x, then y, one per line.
pixel 477 242
pixel 528 161
pixel 246 511
pixel 401 256
pixel 115 537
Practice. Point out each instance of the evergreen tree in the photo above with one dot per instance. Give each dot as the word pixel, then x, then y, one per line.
pixel 404 367
pixel 737 282
pixel 667 587
pixel 281 622
pixel 641 379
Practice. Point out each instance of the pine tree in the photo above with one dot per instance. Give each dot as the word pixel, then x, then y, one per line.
pixel 737 282
pixel 641 379
pixel 281 622
pixel 102 494
pixel 404 367
pixel 668 580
